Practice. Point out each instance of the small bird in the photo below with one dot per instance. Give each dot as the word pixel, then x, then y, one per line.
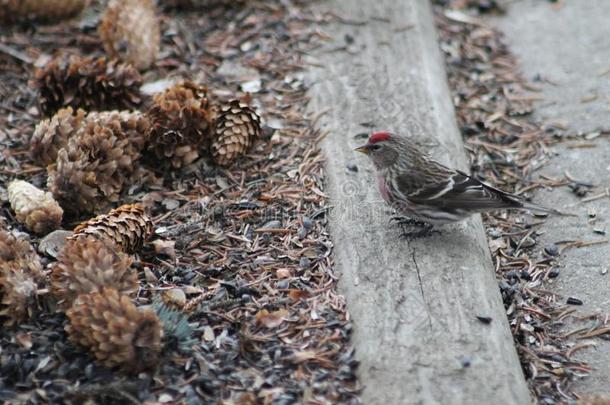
pixel 428 192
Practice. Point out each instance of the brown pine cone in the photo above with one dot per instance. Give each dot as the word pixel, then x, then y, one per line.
pixel 130 32
pixel 98 161
pixel 235 129
pixel 20 269
pixel 18 253
pixel 17 294
pixel 127 226
pixel 33 207
pixel 89 83
pixel 117 333
pixel 133 125
pixel 180 119
pixel 46 10
pixel 87 265
pixel 53 133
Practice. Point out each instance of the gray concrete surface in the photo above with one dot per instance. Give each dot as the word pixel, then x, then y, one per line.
pixel 414 305
pixel 570 46
pixel 567 48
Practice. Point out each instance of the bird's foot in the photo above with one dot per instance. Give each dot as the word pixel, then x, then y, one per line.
pixel 424 231
pixel 406 221
pixel 419 233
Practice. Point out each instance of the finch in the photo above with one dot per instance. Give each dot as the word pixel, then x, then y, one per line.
pixel 428 192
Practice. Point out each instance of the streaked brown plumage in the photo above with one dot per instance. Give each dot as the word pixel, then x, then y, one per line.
pixel 423 189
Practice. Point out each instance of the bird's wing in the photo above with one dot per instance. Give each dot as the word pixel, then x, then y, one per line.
pixel 460 191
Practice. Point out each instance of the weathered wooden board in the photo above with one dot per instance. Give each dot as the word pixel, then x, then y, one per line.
pixel 414 305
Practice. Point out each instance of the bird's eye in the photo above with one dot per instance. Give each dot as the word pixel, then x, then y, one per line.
pixel 375 147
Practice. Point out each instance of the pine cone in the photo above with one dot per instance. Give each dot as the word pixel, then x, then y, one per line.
pixel 89 83
pixel 127 226
pixel 52 134
pixel 17 294
pixel 235 129
pixel 47 10
pixel 18 253
pixel 86 265
pixel 33 207
pixel 180 121
pixel 98 161
pixel 20 270
pixel 133 125
pixel 117 333
pixel 130 32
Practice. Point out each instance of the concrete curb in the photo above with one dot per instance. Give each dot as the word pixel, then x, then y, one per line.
pixel 414 305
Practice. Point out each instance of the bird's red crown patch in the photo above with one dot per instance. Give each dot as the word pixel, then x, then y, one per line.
pixel 379 136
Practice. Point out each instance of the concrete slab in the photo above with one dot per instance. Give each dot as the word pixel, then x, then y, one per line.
pixel 569 46
pixel 566 49
pixel 585 271
pixel 414 305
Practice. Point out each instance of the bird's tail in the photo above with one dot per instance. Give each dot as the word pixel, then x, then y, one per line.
pixel 541 208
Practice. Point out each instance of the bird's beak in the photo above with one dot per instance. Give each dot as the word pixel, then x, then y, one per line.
pixel 363 149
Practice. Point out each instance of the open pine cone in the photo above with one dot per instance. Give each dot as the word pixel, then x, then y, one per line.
pixel 130 32
pixel 117 333
pixel 53 133
pixel 127 227
pixel 47 10
pixel 87 265
pixel 17 295
pixel 180 119
pixel 89 83
pixel 33 207
pixel 20 270
pixel 18 253
pixel 133 125
pixel 235 129
pixel 98 161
